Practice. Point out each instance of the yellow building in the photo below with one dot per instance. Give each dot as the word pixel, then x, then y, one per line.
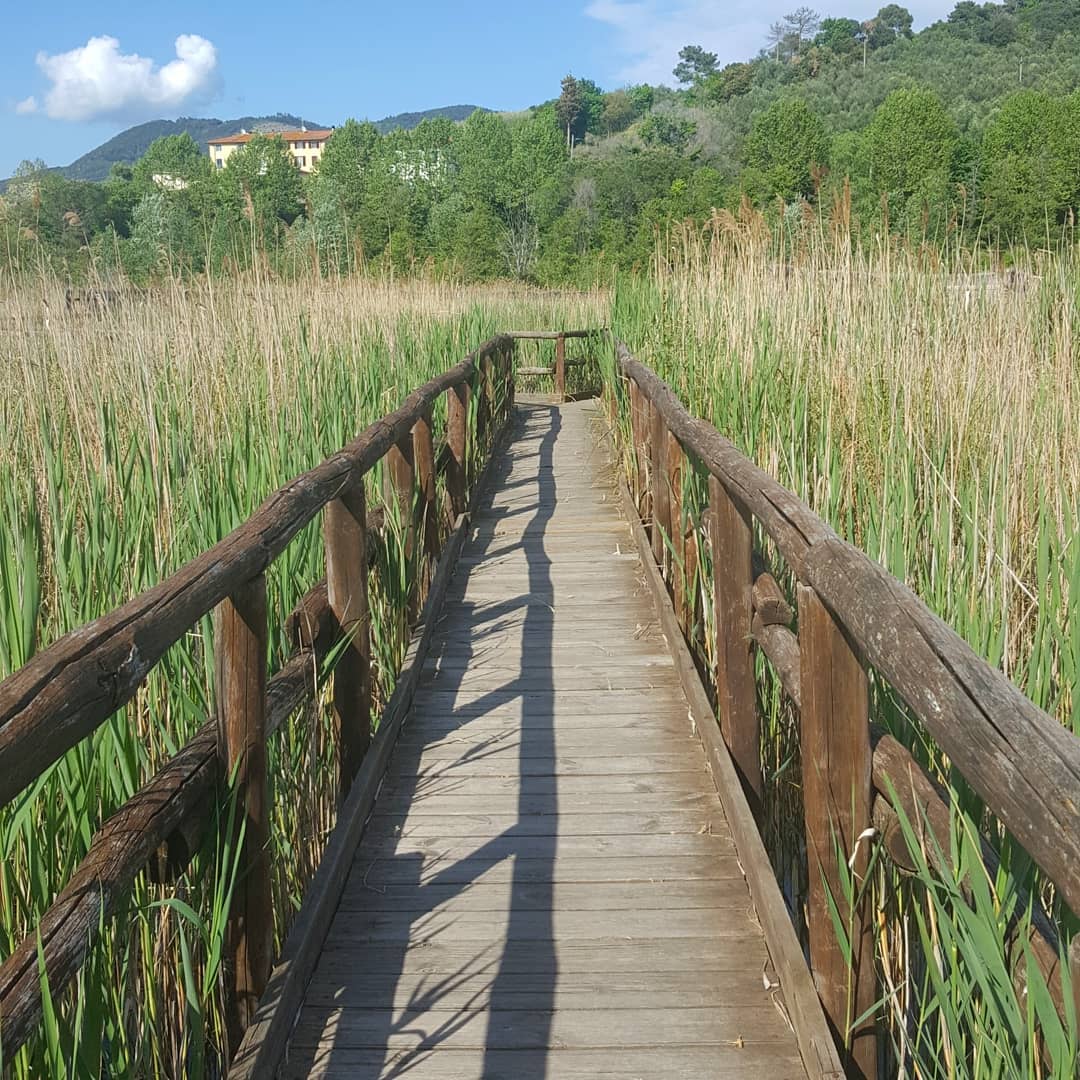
pixel 306 146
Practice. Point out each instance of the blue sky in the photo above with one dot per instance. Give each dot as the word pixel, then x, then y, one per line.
pixel 75 74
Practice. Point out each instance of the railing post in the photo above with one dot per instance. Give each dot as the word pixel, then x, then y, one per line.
pixel 240 658
pixel 345 537
pixel 560 368
pixel 836 778
pixel 400 465
pixel 457 428
pixel 509 375
pixel 639 433
pixel 675 461
pixel 732 542
pixel 661 504
pixel 424 455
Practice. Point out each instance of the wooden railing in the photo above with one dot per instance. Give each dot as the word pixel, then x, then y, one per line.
pixel 853 619
pixel 69 689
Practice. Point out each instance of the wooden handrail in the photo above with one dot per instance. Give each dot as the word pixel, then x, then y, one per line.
pixel 1021 761
pixel 853 615
pixel 65 692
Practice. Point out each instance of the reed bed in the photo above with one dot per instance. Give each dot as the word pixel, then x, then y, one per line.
pixel 931 413
pixel 140 427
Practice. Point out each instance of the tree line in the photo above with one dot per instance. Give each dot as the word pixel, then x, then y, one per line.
pixel 938 137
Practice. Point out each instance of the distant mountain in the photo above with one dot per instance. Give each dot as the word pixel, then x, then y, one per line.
pixel 130 145
pixel 409 120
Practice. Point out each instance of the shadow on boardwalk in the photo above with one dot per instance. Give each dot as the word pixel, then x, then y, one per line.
pixel 487 987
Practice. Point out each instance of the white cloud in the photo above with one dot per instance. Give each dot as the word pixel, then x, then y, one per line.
pixel 27 105
pixel 650 33
pixel 96 81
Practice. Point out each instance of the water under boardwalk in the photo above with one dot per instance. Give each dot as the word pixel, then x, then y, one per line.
pixel 548 886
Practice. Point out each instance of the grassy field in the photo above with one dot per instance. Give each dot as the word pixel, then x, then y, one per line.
pixel 136 436
pixel 932 416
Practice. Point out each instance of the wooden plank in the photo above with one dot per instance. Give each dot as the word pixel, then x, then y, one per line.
pixel 515 925
pixel 680 783
pixel 511 846
pixel 578 742
pixel 379 872
pixel 240 649
pixel 582 677
pixel 537 806
pixel 434 1062
pixel 624 1028
pixel 586 823
pixel 492 762
pixel 565 896
pixel 665 990
pixel 629 706
pixel 609 957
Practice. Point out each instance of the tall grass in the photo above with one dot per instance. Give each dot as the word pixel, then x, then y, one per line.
pixel 932 415
pixel 136 436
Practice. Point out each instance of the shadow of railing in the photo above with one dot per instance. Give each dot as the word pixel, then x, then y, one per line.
pixel 400 991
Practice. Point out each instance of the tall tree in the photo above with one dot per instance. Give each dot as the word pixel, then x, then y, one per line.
pixel 695 65
pixel 802 24
pixel 568 107
pixel 786 146
pixel 910 146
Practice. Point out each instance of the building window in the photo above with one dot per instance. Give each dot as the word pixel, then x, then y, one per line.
pixel 301 161
pixel 314 158
pixel 220 163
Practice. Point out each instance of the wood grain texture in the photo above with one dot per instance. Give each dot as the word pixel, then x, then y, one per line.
pixel 815 1042
pixel 240 648
pixel 345 533
pixel 836 768
pixel 732 542
pixel 266 1038
pixel 546 818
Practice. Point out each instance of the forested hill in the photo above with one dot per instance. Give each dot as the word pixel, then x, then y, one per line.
pixel 966 132
pixel 130 145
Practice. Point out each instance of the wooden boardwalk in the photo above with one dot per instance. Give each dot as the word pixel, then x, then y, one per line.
pixel 548 887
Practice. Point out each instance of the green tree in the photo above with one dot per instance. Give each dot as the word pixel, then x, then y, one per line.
pixel 170 164
pixel 891 23
pixel 662 129
pixel 568 107
pixel 1031 165
pixel 269 184
pixel 910 139
pixel 841 36
pixel 345 159
pixel 695 65
pixel 786 148
pixel 727 83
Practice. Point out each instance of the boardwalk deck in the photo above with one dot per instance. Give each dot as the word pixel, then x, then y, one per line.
pixel 548 887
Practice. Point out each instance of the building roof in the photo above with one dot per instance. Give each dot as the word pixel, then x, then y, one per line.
pixel 288 136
